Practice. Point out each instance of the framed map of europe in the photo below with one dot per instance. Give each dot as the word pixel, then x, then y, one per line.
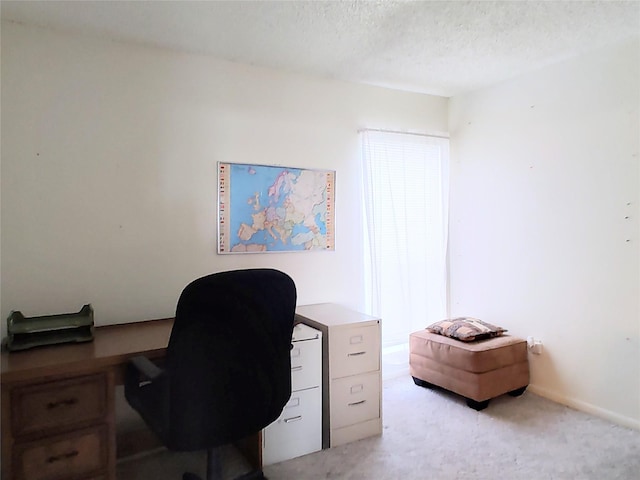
pixel 264 208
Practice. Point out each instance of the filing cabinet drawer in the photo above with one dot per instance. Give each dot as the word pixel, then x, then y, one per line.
pixel 355 399
pixel 75 455
pixel 355 350
pixel 61 403
pixel 298 430
pixel 352 399
pixel 306 364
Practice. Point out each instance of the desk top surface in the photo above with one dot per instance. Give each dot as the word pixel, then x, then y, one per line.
pixel 112 345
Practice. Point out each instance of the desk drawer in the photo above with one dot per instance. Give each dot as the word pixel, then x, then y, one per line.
pixel 37 408
pixel 75 455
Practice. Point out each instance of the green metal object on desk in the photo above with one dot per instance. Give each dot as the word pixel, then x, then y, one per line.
pixel 28 332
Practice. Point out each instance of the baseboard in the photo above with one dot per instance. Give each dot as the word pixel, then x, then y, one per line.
pixel 388 375
pixel 585 407
pixel 395 361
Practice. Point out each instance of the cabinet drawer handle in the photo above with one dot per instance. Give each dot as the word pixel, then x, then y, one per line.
pixel 355 354
pixel 293 419
pixel 296 369
pixel 357 403
pixel 62 403
pixel 63 456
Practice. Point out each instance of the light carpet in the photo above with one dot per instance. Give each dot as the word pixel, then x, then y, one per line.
pixel 432 434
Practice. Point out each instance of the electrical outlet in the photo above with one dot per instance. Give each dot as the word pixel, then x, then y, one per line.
pixel 535 346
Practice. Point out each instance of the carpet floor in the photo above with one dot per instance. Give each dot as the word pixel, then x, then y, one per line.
pixel 432 434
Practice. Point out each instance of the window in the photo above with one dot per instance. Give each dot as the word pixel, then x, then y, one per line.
pixel 405 185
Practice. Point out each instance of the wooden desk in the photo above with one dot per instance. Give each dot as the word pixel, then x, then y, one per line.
pixel 58 408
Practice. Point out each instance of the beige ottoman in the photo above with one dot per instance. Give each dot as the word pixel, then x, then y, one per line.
pixel 479 370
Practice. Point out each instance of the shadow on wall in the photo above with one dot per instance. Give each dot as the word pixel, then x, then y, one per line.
pixel 395 361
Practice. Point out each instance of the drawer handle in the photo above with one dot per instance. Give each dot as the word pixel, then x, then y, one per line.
pixel 296 369
pixel 62 403
pixel 357 403
pixel 63 456
pixel 355 354
pixel 293 419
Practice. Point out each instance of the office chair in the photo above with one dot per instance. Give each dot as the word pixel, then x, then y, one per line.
pixel 227 372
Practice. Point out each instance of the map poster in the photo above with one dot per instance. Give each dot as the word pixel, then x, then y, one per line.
pixel 265 208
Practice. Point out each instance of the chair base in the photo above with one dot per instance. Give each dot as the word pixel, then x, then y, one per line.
pixel 214 469
pixel 257 475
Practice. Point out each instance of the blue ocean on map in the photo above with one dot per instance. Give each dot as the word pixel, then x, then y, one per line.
pixel 260 192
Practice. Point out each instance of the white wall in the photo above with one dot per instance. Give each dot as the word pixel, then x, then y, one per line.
pixel 544 172
pixel 108 191
pixel 109 174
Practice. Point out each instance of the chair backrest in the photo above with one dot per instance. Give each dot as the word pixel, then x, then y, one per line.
pixel 228 357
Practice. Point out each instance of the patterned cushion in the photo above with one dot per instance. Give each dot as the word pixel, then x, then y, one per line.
pixel 466 329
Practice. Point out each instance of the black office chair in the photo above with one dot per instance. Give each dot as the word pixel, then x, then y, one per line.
pixel 228 367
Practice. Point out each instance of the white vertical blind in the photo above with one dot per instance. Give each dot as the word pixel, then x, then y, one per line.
pixel 405 189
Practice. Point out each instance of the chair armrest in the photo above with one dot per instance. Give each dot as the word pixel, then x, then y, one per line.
pixel 142 374
pixel 146 368
pixel 146 388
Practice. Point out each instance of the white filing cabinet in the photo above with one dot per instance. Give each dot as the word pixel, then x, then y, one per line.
pixel 352 393
pixel 298 430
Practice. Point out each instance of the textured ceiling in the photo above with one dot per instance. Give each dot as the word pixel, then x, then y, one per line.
pixel 437 47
